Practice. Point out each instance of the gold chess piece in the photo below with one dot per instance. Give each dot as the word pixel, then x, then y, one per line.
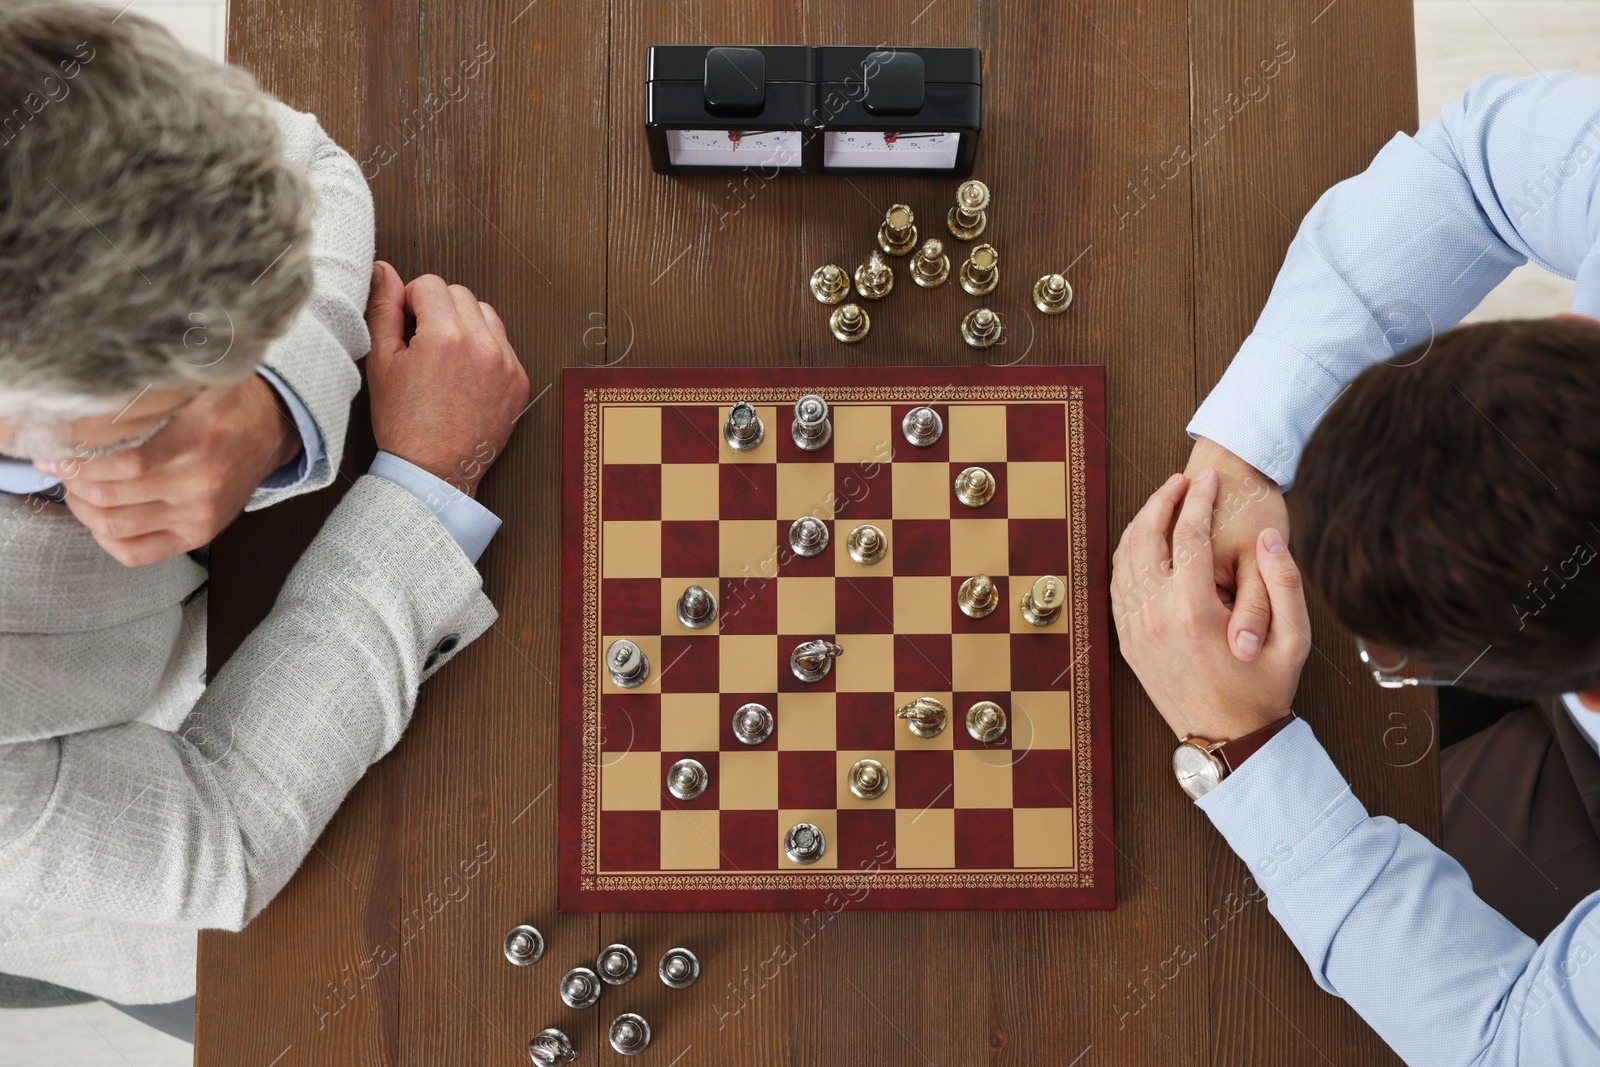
pixel 1052 294
pixel 830 284
pixel 986 721
pixel 898 233
pixel 968 218
pixel 874 278
pixel 1041 605
pixel 924 716
pixel 975 487
pixel 981 328
pixel 978 597
pixel 930 266
pixel 980 271
pixel 866 544
pixel 868 779
pixel 849 323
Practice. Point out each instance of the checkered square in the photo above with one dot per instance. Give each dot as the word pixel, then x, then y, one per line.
pixel 631 491
pixel 866 838
pixel 922 663
pixel 1039 546
pixel 922 546
pixel 983 838
pixel 690 664
pixel 1042 778
pixel 806 779
pixel 689 549
pixel 924 778
pixel 690 434
pixel 863 492
pixel 748 491
pixel 747 840
pixel 863 605
pixel 748 606
pixel 631 605
pixel 1036 432
pixel 630 722
pixel 630 840
pixel 865 721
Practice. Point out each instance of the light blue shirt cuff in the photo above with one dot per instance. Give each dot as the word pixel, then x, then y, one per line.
pixel 293 474
pixel 471 524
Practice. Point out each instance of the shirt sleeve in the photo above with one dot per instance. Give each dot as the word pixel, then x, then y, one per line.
pixel 294 474
pixel 471 524
pixel 1389 922
pixel 1388 259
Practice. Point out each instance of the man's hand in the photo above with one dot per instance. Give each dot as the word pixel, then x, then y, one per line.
pixel 1174 629
pixel 181 488
pixel 447 397
pixel 1248 502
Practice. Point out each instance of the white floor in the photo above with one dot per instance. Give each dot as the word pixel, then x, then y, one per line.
pixel 1457 41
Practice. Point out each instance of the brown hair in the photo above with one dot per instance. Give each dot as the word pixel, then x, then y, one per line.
pixel 1449 502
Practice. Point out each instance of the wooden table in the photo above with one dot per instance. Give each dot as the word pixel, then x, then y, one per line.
pixel 1166 152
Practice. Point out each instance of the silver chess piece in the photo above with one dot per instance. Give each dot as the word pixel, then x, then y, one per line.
pixel 897 234
pixel 523 945
pixel 1041 605
pixel 868 779
pixel 580 988
pixel 978 597
pixel 687 779
pixel 968 218
pixel 812 660
pixel 866 544
pixel 980 271
pixel 986 721
pixel 678 968
pixel 630 1034
pixel 808 535
pixel 744 430
pixel 930 267
pixel 697 608
pixel 924 716
pixel 753 723
pixel 804 843
pixel 1052 294
pixel 812 429
pixel 551 1048
pixel 975 487
pixel 627 663
pixel 617 964
pixel 922 426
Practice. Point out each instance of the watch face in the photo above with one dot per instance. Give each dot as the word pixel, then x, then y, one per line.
pixel 773 149
pixel 1196 770
pixel 890 151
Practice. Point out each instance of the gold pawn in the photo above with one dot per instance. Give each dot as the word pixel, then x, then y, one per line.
pixel 981 328
pixel 1052 294
pixel 830 284
pixel 978 597
pixel 849 323
pixel 930 266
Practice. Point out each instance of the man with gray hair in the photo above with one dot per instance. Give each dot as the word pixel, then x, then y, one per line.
pixel 186 280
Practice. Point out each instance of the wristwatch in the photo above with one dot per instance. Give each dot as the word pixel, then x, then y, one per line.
pixel 1202 765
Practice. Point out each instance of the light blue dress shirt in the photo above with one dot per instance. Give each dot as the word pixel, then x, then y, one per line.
pixel 1510 172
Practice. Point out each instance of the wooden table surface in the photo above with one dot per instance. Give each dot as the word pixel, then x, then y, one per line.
pixel 1165 151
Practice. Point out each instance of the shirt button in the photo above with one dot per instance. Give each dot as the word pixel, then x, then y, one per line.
pixel 448 644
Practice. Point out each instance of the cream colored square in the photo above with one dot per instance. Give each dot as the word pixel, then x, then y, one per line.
pixel 977 433
pixel 923 490
pixel 944 739
pixel 650 646
pixel 847 799
pixel 630 549
pixel 690 722
pixel 747 663
pixel 981 663
pixel 806 721
pixel 766 451
pixel 689 491
pixel 1037 491
pixel 826 821
pixel 1044 837
pixel 805 606
pixel 980 546
pixel 749 779
pixel 630 435
pixel 1042 720
pixel 746 548
pixel 690 840
pixel 922 605
pixel 805 489
pixel 867 665
pixel 1022 583
pixel 982 776
pixel 672 589
pixel 863 435
pixel 630 781
pixel 925 838
pixel 845 567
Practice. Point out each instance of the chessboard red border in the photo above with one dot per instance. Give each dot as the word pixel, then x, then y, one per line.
pixel 573 897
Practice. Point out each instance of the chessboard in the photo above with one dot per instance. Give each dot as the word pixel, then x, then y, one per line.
pixel 657 499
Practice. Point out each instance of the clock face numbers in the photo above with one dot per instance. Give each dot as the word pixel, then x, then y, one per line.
pixel 890 151
pixel 768 149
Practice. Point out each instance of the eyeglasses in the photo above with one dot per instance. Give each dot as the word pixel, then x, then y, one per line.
pixel 1388 667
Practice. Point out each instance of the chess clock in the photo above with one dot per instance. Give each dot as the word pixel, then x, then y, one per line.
pixel 897 110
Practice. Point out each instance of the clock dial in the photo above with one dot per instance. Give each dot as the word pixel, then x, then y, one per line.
pixel 734 148
pixel 903 151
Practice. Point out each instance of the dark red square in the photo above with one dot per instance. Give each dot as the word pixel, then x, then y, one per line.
pixel 863 605
pixel 922 663
pixel 630 722
pixel 995 508
pixel 964 701
pixel 1036 433
pixel 862 492
pixel 1039 546
pixel 690 434
pixel 728 704
pixel 630 606
pixel 924 778
pixel 787 682
pixel 793 565
pixel 748 605
pixel 630 491
pixel 748 840
pixel 938 452
pixel 690 549
pixel 630 840
pixel 983 838
pixel 705 801
pixel 1043 660
pixel 748 491
pixel 922 547
pixel 864 721
pixel 807 779
pixel 689 664
pixel 1041 778
pixel 866 839
pixel 997 621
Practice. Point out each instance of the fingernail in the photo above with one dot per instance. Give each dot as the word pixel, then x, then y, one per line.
pixel 377 273
pixel 1172 481
pixel 1205 475
pixel 1274 541
pixel 1249 643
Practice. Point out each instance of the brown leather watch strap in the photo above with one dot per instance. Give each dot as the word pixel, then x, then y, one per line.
pixel 1233 753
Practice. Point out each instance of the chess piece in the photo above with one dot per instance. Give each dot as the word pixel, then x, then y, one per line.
pixel 1041 605
pixel 752 723
pixel 986 721
pixel 980 271
pixel 922 426
pixel 551 1048
pixel 808 535
pixel 981 328
pixel 874 278
pixel 830 284
pixel 687 779
pixel 975 487
pixel 968 218
pixel 811 429
pixel 744 430
pixel 628 664
pixel 849 323
pixel 898 233
pixel 630 1034
pixel 812 660
pixel 678 968
pixel 1052 294
pixel 978 597
pixel 868 779
pixel 866 544
pixel 930 266
pixel 924 716
pixel 580 988
pixel 523 945
pixel 697 608
pixel 804 843
pixel 617 963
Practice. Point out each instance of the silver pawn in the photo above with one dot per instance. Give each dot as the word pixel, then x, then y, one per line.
pixel 580 988
pixel 697 608
pixel 922 426
pixel 752 723
pixel 630 1034
pixel 617 964
pixel 687 779
pixel 679 968
pixel 808 535
pixel 523 945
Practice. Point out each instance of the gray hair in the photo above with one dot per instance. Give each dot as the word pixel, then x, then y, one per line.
pixel 151 234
